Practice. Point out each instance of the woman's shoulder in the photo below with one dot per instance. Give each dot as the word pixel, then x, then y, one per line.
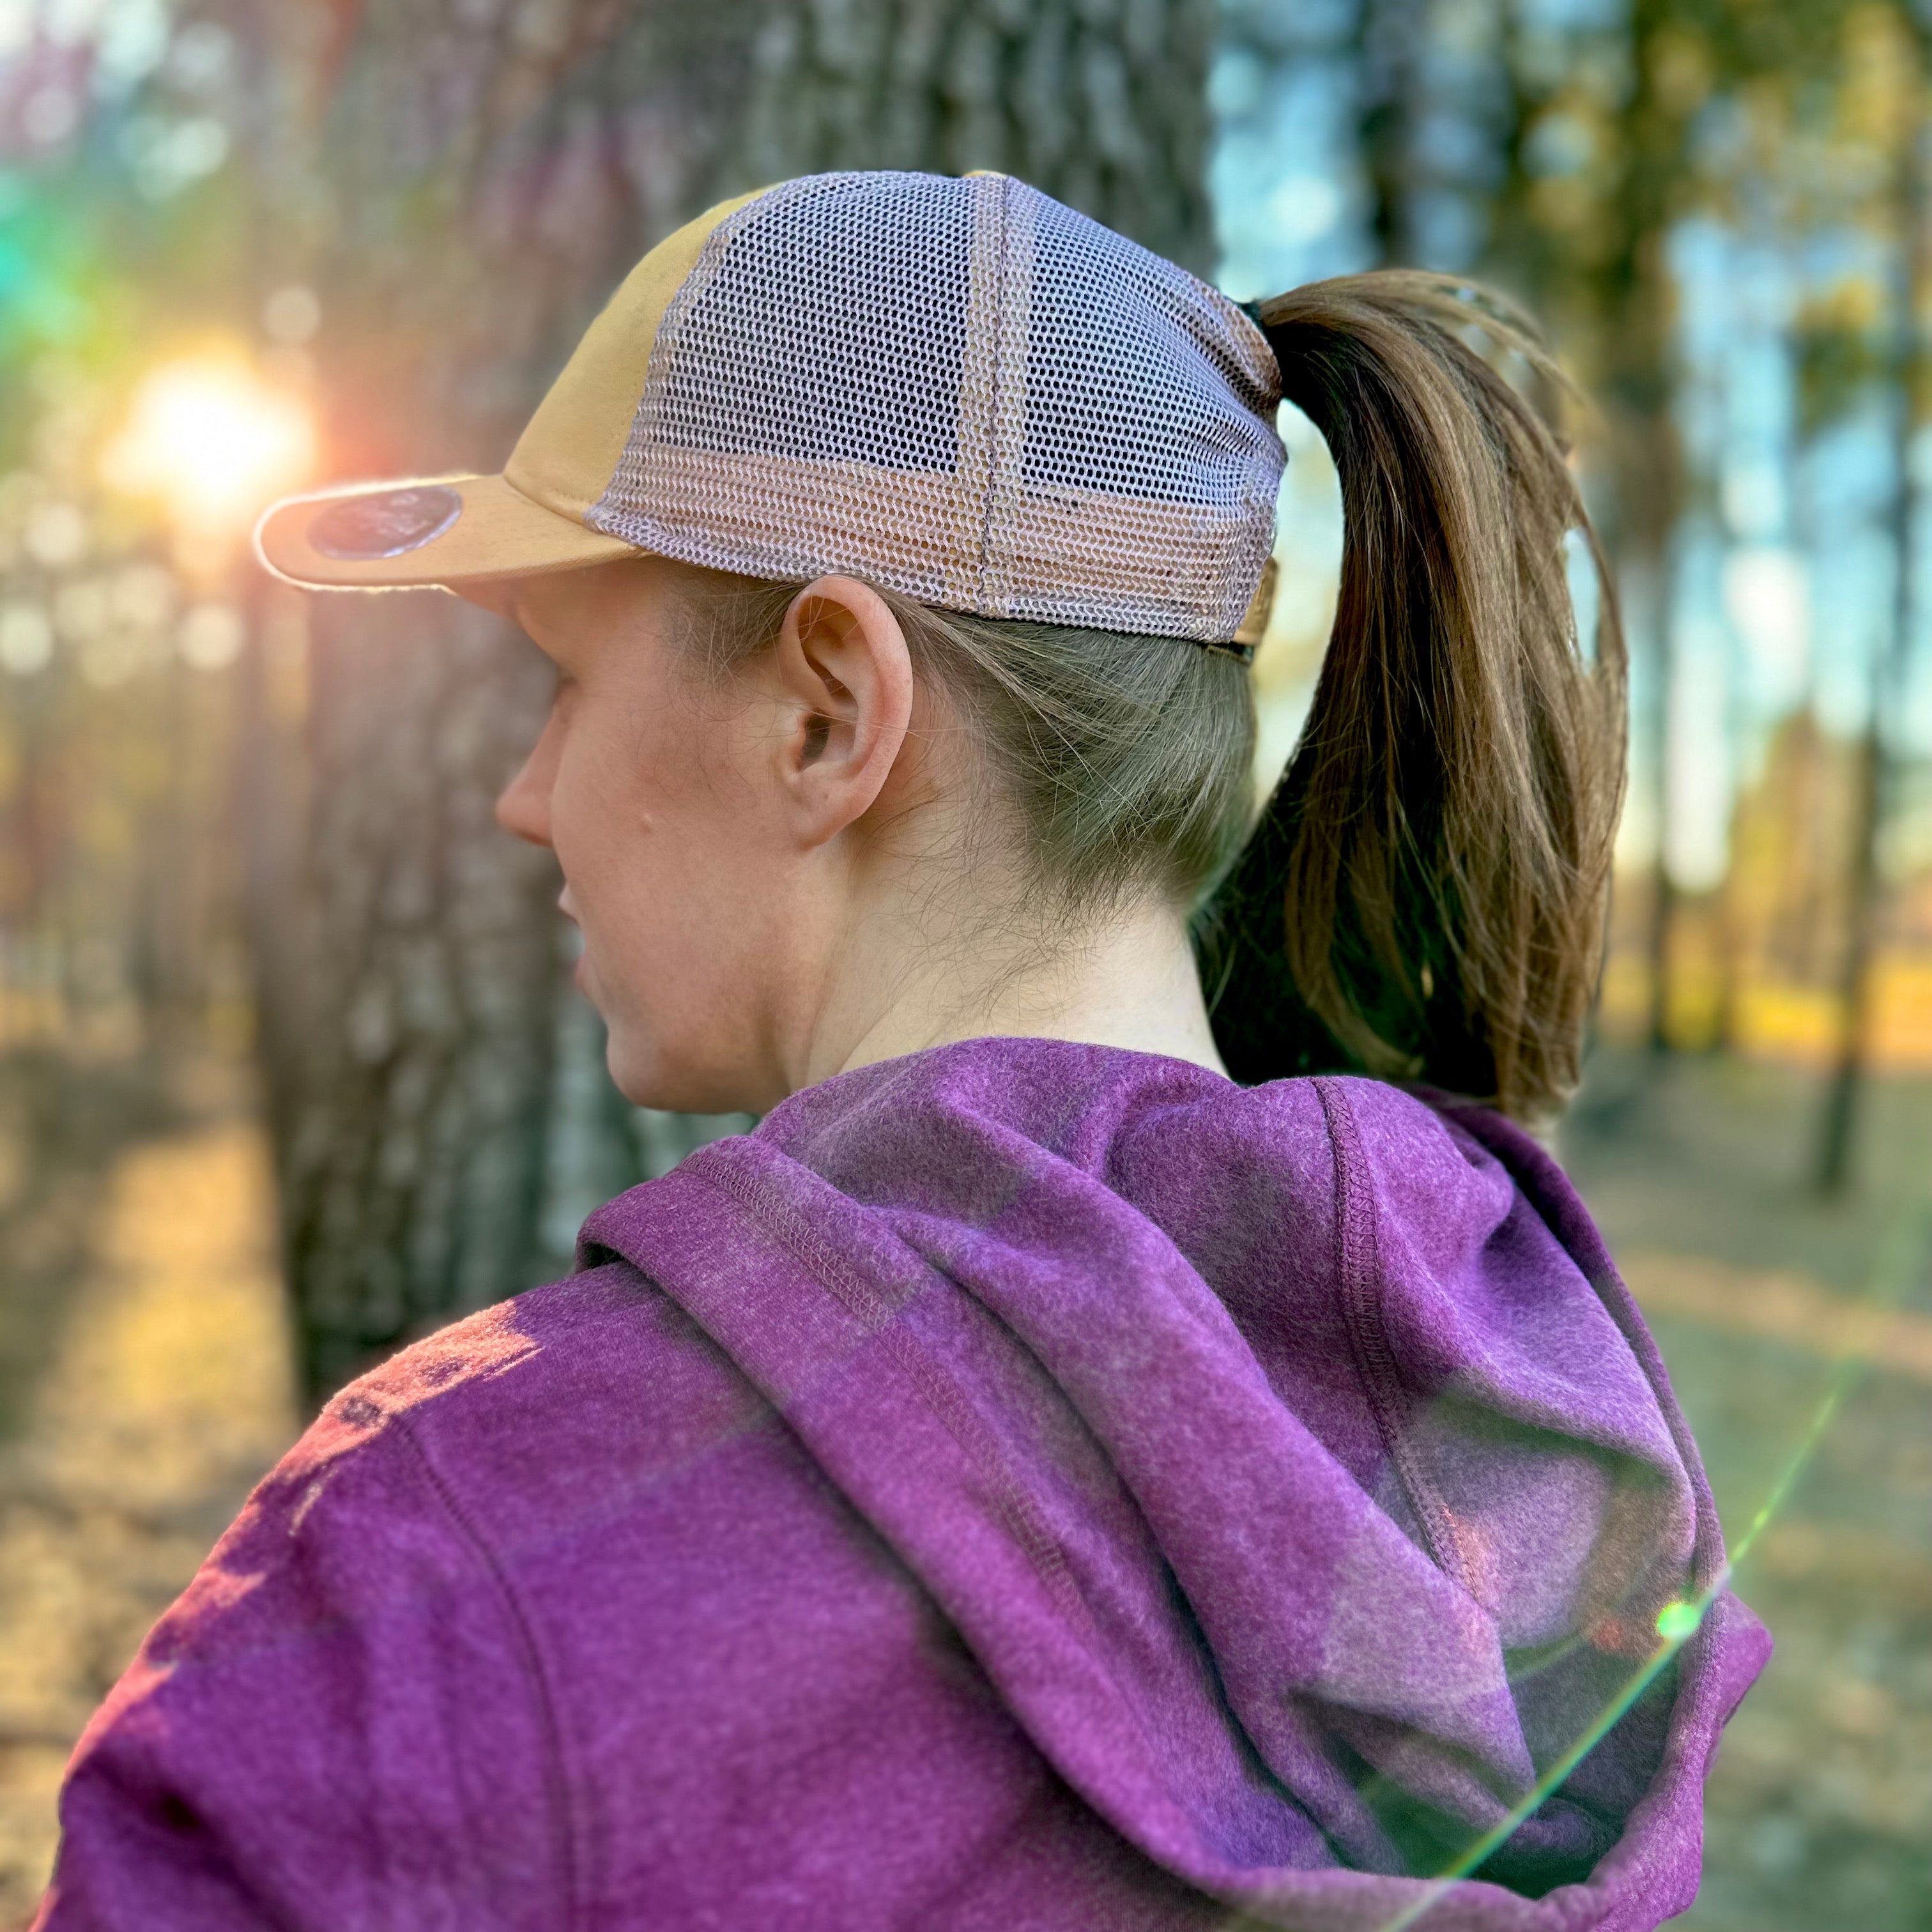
pixel 593 1327
pixel 521 1411
pixel 494 1449
pixel 467 1564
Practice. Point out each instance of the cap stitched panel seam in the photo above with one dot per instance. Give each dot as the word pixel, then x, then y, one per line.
pixel 995 441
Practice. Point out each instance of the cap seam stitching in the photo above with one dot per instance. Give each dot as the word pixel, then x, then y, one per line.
pixel 994 417
pixel 602 514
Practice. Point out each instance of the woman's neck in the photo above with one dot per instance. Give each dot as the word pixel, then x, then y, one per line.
pixel 1128 982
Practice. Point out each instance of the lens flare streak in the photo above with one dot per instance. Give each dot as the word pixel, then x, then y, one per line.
pixel 1902 1260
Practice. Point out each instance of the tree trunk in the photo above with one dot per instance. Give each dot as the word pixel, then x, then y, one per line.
pixel 1638 300
pixel 462 185
pixel 1838 1124
pixel 1600 274
pixel 1389 34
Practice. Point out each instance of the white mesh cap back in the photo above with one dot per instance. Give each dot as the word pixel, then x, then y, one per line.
pixel 965 391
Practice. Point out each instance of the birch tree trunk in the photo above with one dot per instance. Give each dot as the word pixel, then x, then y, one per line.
pixel 462 182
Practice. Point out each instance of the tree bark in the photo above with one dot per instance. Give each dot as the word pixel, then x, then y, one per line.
pixel 1389 45
pixel 462 184
pixel 1637 297
pixel 1911 376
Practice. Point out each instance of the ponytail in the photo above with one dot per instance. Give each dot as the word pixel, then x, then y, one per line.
pixel 1424 897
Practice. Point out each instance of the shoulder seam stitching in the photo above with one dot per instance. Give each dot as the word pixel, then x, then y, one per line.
pixel 557 1784
pixel 1041 1547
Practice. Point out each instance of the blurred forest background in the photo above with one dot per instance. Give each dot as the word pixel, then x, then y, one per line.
pixel 290 1068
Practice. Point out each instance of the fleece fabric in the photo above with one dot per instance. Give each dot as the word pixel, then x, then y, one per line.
pixel 1022 1485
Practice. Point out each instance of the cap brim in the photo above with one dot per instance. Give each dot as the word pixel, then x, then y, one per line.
pixel 498 531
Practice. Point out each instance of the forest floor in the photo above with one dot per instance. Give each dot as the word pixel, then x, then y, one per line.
pixel 144 1383
pixel 1819 1817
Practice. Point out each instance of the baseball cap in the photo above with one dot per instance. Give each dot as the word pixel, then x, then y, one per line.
pixel 958 388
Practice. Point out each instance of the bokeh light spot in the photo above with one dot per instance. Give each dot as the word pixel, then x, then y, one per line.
pixel 26 639
pixel 56 536
pixel 211 636
pixel 291 315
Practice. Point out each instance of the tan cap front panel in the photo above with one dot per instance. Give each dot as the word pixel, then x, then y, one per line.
pixel 567 454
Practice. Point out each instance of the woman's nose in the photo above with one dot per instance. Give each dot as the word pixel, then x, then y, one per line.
pixel 523 806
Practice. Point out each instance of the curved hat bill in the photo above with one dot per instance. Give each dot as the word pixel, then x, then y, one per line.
pixel 429 530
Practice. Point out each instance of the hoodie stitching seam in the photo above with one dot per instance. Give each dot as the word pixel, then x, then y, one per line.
pixel 1356 1247
pixel 1531 1168
pixel 555 1781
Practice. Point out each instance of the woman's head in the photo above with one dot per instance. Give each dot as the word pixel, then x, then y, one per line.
pixel 1017 477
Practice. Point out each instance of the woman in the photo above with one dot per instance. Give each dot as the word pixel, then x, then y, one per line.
pixel 1032 1479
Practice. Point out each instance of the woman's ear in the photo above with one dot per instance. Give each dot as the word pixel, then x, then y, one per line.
pixel 845 680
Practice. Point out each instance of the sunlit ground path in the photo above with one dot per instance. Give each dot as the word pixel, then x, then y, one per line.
pixel 144 1384
pixel 162 1390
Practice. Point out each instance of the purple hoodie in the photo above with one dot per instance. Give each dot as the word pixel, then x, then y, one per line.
pixel 1024 1484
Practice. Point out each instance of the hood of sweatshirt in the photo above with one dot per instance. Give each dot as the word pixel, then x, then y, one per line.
pixel 1291 1458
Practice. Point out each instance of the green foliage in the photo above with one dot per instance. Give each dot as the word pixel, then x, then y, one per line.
pixel 1843 346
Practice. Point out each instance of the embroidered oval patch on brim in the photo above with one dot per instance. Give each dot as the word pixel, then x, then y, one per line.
pixel 386 524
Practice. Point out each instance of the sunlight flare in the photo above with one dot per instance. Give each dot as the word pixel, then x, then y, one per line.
pixel 209 435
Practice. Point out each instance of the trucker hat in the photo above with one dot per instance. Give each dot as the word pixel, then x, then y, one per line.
pixel 958 388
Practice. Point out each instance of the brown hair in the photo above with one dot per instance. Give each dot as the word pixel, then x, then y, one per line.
pixel 1424 894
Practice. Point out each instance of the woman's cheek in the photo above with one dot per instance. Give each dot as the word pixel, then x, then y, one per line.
pixel 584 828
